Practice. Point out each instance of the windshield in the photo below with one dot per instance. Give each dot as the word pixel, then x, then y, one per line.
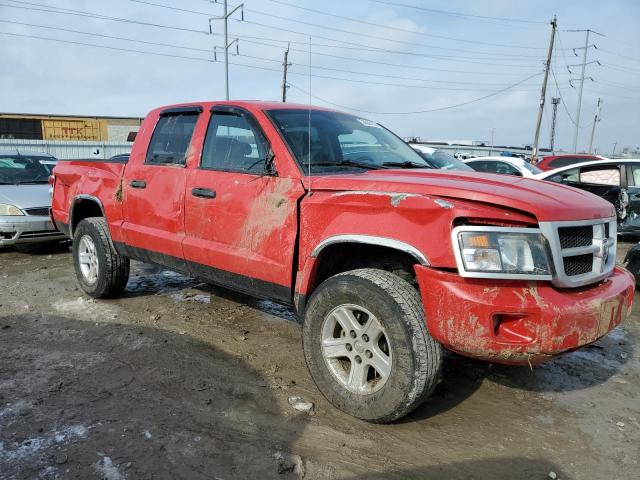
pixel 442 160
pixel 342 142
pixel 18 169
pixel 531 168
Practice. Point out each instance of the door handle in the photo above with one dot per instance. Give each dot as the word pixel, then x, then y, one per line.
pixel 203 192
pixel 138 184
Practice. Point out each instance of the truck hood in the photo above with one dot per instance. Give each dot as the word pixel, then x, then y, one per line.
pixel 26 196
pixel 547 201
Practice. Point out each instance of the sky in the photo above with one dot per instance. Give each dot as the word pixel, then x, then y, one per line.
pixel 446 70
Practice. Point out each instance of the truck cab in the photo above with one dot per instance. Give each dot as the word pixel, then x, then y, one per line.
pixel 386 260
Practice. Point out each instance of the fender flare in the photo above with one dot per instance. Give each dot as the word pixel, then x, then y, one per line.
pixel 372 240
pixel 75 201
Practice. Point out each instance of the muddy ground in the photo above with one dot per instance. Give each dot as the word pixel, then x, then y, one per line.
pixel 179 380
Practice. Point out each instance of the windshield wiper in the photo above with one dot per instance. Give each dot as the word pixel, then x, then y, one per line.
pixel 31 182
pixel 406 165
pixel 346 163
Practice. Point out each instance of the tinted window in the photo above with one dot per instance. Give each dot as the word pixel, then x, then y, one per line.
pixel 493 167
pixel 171 139
pixel 570 175
pixel 233 144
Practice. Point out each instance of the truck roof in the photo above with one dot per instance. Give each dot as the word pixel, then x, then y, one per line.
pixel 249 104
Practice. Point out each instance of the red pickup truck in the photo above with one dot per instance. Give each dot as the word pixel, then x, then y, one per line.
pixel 386 260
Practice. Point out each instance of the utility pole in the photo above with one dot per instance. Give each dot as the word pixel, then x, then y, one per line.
pixel 225 18
pixel 543 92
pixel 554 101
pixel 493 131
pixel 596 119
pixel 615 144
pixel 286 65
pixel 583 65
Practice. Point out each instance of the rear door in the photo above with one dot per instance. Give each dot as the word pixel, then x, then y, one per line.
pixel 155 187
pixel 240 221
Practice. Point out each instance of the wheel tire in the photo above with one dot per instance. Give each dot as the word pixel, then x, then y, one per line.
pixel 112 268
pixel 416 357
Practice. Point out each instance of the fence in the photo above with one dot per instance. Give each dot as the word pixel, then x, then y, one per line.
pixel 67 150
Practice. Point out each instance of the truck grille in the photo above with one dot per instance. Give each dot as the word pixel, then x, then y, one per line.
pixel 578 265
pixel 571 237
pixel 584 252
pixel 39 211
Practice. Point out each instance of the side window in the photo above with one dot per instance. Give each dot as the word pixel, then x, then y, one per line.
pixel 171 139
pixel 570 175
pixel 505 168
pixel 487 167
pixel 233 145
pixel 635 169
pixel 604 175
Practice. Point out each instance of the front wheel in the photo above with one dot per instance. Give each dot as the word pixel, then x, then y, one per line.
pixel 100 270
pixel 367 346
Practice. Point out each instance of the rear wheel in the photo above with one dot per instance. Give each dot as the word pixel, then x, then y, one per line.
pixel 100 270
pixel 367 346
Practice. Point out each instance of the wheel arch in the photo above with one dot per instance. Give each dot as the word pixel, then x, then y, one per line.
pixel 84 206
pixel 341 253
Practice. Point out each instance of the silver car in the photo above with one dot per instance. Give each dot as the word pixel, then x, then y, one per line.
pixel 25 200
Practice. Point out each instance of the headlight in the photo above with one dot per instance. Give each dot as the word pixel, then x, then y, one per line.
pixel 500 252
pixel 10 210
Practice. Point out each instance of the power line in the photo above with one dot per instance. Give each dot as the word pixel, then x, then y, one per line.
pixel 359 34
pixel 369 74
pixel 458 14
pixel 343 17
pixel 78 13
pixel 419 111
pixel 112 37
pixel 146 52
pixel 122 49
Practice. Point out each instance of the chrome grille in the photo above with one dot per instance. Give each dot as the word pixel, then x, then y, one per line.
pixel 571 237
pixel 578 265
pixel 40 211
pixel 584 252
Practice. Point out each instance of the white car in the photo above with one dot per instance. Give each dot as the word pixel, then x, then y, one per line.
pixel 505 165
pixel 439 159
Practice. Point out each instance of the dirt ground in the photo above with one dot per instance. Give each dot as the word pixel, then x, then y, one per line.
pixel 179 380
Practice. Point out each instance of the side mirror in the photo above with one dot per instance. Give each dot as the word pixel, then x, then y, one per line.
pixel 269 164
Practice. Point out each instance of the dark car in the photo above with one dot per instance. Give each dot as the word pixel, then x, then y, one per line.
pixel 558 161
pixel 617 181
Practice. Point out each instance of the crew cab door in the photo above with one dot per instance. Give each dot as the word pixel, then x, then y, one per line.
pixel 240 220
pixel 154 190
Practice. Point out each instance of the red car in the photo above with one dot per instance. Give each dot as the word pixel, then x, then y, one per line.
pixel 386 261
pixel 556 161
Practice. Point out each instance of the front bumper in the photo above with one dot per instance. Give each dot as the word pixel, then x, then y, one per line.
pixel 27 229
pixel 520 322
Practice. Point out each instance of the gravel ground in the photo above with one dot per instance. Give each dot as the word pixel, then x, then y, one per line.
pixel 180 380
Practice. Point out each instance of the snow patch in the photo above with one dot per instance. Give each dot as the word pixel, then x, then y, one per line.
pixel 107 470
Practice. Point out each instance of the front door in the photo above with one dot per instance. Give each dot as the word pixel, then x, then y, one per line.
pixel 154 189
pixel 240 220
